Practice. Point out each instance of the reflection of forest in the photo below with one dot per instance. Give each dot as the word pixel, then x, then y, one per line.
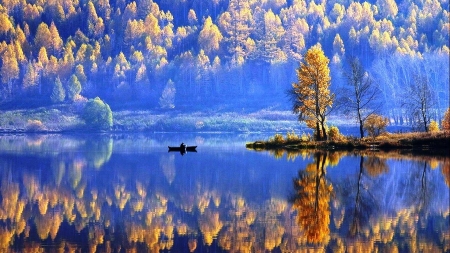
pixel 125 211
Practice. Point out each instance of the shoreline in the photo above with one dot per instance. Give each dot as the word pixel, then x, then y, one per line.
pixel 438 142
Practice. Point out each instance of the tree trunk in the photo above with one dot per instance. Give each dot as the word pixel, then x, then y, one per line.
pixel 324 131
pixel 318 135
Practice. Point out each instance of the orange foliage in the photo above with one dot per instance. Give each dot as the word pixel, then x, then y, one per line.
pixel 312 201
pixel 446 120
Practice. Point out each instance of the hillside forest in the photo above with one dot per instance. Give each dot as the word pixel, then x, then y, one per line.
pixel 169 54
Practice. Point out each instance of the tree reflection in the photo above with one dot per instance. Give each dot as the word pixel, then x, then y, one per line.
pixel 127 212
pixel 99 151
pixel 446 171
pixel 364 204
pixel 312 200
pixel 374 165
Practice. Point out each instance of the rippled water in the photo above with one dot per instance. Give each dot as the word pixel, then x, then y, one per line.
pixel 127 193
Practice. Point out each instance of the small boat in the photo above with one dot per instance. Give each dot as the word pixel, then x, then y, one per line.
pixel 187 148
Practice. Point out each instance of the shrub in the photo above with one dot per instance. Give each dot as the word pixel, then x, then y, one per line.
pixel 35 126
pixel 306 137
pixel 292 136
pixel 446 120
pixel 97 114
pixel 334 134
pixel 277 138
pixel 375 124
pixel 433 127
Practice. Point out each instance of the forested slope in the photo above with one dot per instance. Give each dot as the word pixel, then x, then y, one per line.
pixel 177 53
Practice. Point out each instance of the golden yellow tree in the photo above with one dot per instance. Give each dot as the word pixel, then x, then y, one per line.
pixel 311 96
pixel 9 70
pixel 210 37
pixel 375 124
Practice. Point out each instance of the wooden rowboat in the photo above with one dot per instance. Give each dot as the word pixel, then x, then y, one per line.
pixel 187 148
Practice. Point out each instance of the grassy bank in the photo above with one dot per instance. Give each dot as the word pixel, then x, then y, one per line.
pixel 433 142
pixel 66 118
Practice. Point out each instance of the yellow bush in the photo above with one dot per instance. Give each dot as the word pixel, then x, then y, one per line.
pixel 277 138
pixel 292 136
pixel 434 127
pixel 306 137
pixel 375 124
pixel 334 134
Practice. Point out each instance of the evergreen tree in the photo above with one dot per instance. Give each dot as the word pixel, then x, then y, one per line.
pixel 58 93
pixel 73 88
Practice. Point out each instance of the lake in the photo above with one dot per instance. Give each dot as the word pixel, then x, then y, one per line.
pixel 127 193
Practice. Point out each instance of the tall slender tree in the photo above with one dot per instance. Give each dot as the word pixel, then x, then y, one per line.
pixel 419 101
pixel 360 95
pixel 311 96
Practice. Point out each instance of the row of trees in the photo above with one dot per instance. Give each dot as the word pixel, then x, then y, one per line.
pixel 165 53
pixel 313 100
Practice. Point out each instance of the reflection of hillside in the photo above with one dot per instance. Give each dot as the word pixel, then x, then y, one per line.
pixel 114 209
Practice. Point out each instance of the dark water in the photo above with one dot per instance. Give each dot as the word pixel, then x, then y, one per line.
pixel 128 194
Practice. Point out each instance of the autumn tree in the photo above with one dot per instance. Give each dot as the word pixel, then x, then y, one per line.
pixel 236 26
pixel 56 41
pixel 375 124
pixel 360 94
pixel 272 34
pixel 210 37
pixel 446 120
pixel 10 69
pixel 311 96
pixel 43 37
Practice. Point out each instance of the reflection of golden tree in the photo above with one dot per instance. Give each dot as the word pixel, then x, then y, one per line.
pixel 237 235
pixel 272 229
pixel 375 166
pixel 333 158
pixel 210 225
pixel 277 153
pixel 122 196
pixel 293 154
pixel 48 224
pixel 6 236
pixel 11 207
pixel 312 199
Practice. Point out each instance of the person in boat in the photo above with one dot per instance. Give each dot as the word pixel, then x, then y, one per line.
pixel 182 145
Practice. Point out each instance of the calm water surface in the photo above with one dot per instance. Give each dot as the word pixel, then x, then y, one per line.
pixel 126 193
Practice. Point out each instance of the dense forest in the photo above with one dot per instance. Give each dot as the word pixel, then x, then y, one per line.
pixel 180 53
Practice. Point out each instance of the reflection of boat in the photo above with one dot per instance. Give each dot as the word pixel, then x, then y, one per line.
pixel 187 148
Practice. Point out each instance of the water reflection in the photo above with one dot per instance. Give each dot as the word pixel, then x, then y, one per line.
pixel 312 200
pixel 94 194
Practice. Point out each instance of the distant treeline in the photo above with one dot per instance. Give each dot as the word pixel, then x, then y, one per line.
pixel 173 53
